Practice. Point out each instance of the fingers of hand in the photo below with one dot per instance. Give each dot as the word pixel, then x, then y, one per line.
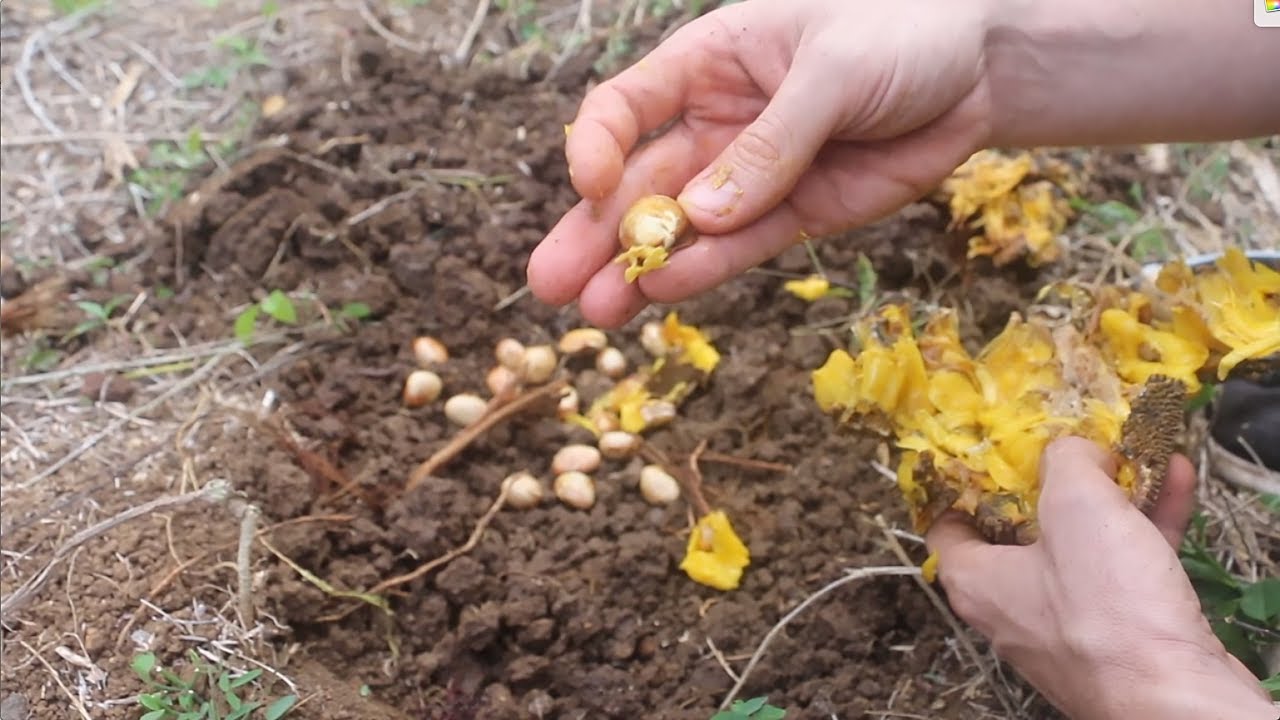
pixel 1173 507
pixel 585 240
pixel 617 113
pixel 972 571
pixel 762 164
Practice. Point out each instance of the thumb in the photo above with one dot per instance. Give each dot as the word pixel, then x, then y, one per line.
pixel 763 163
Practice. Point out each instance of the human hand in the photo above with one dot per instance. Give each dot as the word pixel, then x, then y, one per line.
pixel 791 119
pixel 1098 614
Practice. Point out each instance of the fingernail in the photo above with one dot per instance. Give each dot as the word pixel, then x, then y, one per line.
pixel 716 193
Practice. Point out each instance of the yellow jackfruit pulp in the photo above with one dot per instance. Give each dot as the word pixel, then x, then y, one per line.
pixel 972 428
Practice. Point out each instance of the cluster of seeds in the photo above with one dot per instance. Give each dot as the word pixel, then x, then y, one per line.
pixel 518 366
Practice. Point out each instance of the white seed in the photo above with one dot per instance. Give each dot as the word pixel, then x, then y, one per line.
pixel 523 490
pixel 575 458
pixel 539 364
pixel 509 353
pixel 652 341
pixel 421 387
pixel 582 340
pixel 612 362
pixel 657 486
pixel 568 404
pixel 575 489
pixel 464 408
pixel 657 412
pixel 617 444
pixel 501 380
pixel 428 351
pixel 654 221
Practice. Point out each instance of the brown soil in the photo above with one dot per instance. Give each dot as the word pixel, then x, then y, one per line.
pixel 420 192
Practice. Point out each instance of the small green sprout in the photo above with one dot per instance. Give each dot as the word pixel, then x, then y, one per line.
pixel 753 709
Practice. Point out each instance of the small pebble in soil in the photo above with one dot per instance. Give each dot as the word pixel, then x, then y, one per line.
pixel 569 403
pixel 583 340
pixel 657 486
pixel 618 444
pixel 612 362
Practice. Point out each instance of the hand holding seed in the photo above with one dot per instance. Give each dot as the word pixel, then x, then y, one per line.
pixel 766 147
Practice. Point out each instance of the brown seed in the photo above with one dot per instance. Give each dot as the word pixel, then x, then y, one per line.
pixel 421 387
pixel 428 351
pixel 653 221
pixel 582 340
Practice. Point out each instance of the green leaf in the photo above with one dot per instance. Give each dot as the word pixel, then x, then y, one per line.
pixel 244 679
pixel 233 700
pixel 280 307
pixel 750 707
pixel 154 715
pixel 770 712
pixel 1261 600
pixel 143 665
pixel 1272 685
pixel 1114 212
pixel 1237 643
pixel 1271 502
pixel 152 702
pixel 243 711
pixel 277 709
pixel 356 310
pixel 1202 398
pixel 245 323
pixel 93 309
pixel 867 278
pixel 1208 571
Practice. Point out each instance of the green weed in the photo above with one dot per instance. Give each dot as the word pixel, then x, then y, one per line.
pixel 211 693
pixel 1244 615
pixel 753 709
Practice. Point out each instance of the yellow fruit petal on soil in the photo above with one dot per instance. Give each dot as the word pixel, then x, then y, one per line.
pixel 715 556
pixel 691 343
pixel 810 288
pixel 929 568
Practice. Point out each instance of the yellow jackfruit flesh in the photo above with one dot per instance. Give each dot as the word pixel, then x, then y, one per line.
pixel 971 427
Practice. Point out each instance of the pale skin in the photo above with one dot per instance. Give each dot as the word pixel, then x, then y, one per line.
pixel 802 118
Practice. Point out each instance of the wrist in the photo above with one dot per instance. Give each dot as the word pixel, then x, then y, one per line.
pixel 1171 686
pixel 1099 72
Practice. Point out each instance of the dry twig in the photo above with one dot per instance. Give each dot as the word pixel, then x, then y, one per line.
pixel 1001 692
pixel 498 412
pixel 216 491
pixel 851 575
